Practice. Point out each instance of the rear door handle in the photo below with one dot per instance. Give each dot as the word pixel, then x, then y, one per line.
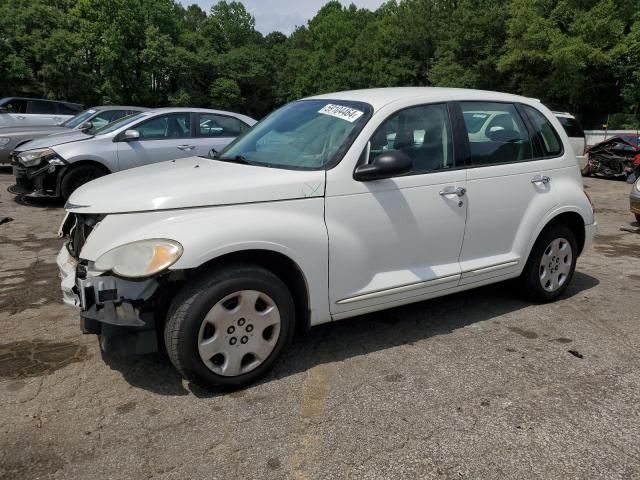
pixel 186 148
pixel 459 191
pixel 541 179
pixel 20 117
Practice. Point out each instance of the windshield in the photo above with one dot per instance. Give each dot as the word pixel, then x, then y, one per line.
pixel 307 134
pixel 121 122
pixel 78 119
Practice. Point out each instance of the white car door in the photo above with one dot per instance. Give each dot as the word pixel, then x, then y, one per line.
pixel 40 112
pixel 162 138
pixel 508 191
pixel 399 238
pixel 14 113
pixel 215 131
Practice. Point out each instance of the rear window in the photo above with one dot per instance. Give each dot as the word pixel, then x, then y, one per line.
pixel 41 107
pixel 544 133
pixel 571 126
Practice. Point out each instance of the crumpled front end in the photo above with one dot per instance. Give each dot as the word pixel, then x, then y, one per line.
pixel 122 312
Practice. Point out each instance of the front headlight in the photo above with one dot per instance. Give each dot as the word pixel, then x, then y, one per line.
pixel 140 259
pixel 32 158
pixel 4 141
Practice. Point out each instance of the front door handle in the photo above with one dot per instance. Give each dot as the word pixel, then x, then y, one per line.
pixel 459 191
pixel 20 117
pixel 541 179
pixel 186 147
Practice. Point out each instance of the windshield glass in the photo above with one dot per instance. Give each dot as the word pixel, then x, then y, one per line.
pixel 307 134
pixel 78 119
pixel 121 122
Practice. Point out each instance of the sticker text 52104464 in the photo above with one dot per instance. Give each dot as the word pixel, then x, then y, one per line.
pixel 340 111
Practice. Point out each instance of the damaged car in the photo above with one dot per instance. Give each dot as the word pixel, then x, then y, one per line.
pixel 329 208
pixel 616 157
pixel 55 166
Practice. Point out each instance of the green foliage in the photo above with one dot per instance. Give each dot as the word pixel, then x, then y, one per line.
pixel 576 55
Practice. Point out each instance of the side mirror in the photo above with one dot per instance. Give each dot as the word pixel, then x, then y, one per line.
pixel 86 126
pixel 386 165
pixel 130 136
pixel 212 154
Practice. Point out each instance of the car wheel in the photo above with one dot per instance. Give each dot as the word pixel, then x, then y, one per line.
pixel 78 176
pixel 229 328
pixel 637 215
pixel 551 264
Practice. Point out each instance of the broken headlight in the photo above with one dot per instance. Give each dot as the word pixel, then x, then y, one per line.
pixel 33 158
pixel 140 259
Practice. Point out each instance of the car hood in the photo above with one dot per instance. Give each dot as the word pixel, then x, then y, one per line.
pixel 193 182
pixel 45 130
pixel 53 140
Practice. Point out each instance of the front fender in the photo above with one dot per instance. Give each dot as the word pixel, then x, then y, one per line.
pixel 294 228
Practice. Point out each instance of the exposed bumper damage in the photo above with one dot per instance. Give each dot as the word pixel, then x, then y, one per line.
pixel 120 311
pixel 41 181
pixel 614 157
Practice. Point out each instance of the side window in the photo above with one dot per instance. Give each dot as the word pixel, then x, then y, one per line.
pixel 423 133
pixel 571 126
pixel 64 109
pixel 16 106
pixel 42 108
pixel 211 125
pixel 102 119
pixel 496 133
pixel 166 127
pixel 544 133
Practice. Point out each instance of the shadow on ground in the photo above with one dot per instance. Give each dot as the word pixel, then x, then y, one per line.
pixel 354 337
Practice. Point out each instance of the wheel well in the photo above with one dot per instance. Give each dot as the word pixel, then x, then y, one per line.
pixel 281 266
pixel 575 223
pixel 93 163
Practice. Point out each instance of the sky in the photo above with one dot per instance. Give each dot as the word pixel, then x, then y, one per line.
pixel 284 15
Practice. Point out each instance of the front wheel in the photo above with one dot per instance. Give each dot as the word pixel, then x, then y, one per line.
pixel 78 176
pixel 229 328
pixel 551 264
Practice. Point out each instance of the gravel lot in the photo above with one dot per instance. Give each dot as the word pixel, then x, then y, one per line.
pixel 477 385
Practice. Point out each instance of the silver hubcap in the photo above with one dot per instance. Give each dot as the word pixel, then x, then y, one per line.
pixel 239 333
pixel 555 264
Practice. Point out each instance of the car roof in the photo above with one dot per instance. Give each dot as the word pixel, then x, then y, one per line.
pixel 245 118
pixel 379 97
pixel 120 107
pixel 42 100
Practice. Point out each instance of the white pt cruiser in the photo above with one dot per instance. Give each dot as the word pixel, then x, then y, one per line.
pixel 331 207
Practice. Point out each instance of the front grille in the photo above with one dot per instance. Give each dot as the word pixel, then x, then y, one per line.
pixel 81 229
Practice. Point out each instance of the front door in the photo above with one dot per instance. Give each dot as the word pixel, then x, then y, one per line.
pixel 162 138
pixel 397 240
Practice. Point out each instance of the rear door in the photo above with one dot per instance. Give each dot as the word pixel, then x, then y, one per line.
pixel 164 137
pixel 508 187
pixel 41 112
pixel 215 131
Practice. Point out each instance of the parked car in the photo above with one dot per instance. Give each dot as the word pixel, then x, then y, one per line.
pixel 55 166
pixel 576 135
pixel 314 216
pixel 93 118
pixel 19 111
pixel 634 199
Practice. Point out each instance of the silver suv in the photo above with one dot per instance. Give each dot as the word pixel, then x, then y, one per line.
pixel 24 112
pixel 93 118
pixel 55 166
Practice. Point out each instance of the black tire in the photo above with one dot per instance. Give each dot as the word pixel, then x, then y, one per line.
pixel 78 176
pixel 197 298
pixel 637 215
pixel 530 281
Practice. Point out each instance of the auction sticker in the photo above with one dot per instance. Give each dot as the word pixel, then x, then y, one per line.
pixel 340 111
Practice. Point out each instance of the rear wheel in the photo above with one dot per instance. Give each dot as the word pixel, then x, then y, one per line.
pixel 551 264
pixel 78 176
pixel 228 329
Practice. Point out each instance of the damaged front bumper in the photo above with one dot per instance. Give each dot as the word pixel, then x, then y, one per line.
pixel 41 181
pixel 111 307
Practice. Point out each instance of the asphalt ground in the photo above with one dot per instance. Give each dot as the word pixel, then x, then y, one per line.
pixel 477 385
